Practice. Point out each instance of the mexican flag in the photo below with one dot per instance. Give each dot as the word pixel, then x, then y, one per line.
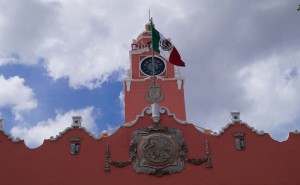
pixel 165 48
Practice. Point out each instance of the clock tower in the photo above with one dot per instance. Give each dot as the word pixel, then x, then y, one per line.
pixel 139 87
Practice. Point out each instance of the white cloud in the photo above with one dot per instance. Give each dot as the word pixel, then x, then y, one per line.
pixel 76 39
pixel 23 27
pixel 271 89
pixel 16 95
pixel 83 41
pixel 34 135
pixel 122 102
pixel 265 92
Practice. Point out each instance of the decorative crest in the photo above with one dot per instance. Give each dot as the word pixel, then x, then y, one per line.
pixel 154 94
pixel 157 150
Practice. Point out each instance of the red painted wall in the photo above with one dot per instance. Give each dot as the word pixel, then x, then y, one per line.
pixel 173 98
pixel 264 161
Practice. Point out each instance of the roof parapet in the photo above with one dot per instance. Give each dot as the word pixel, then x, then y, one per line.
pixel 77 120
pixel 235 117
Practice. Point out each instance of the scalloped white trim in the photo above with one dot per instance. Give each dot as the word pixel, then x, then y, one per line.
pixel 182 122
pixel 97 137
pixel 260 133
pixel 148 110
pixel 13 139
pixel 140 51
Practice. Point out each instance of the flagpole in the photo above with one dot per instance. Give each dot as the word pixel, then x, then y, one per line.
pixel 153 68
pixel 154 105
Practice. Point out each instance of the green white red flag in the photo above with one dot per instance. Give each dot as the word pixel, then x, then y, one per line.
pixel 165 48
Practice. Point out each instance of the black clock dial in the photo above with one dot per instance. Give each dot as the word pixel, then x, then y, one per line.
pixel 147 69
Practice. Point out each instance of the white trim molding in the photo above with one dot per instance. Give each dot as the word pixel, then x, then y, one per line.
pixel 148 111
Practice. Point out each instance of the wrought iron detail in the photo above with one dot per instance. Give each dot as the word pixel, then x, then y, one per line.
pixel 157 150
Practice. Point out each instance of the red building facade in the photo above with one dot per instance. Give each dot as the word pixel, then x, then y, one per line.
pixel 144 152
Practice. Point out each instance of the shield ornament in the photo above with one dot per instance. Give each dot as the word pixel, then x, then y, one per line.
pixel 149 96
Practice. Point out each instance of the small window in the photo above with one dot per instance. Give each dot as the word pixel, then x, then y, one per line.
pixel 240 144
pixel 74 148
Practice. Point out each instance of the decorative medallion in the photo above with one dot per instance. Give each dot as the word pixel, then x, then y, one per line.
pixel 157 150
pixel 149 96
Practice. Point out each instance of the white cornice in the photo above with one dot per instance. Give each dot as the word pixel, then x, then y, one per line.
pixel 97 137
pixel 147 110
pixel 260 133
pixel 129 80
pixel 149 77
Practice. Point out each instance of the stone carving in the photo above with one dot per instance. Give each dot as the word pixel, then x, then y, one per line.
pixel 201 160
pixel 157 150
pixel 196 161
pixel 208 155
pixel 108 162
pixel 149 96
pixel 120 164
pixel 107 159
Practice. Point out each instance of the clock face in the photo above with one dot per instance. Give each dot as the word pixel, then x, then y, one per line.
pixel 147 69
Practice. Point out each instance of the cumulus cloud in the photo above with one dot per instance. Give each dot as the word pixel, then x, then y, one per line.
pixel 241 54
pixel 271 89
pixel 34 135
pixel 83 41
pixel 23 27
pixel 76 39
pixel 16 95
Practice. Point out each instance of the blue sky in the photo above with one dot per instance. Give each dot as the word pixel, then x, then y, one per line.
pixel 61 58
pixel 53 96
pixel 57 96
